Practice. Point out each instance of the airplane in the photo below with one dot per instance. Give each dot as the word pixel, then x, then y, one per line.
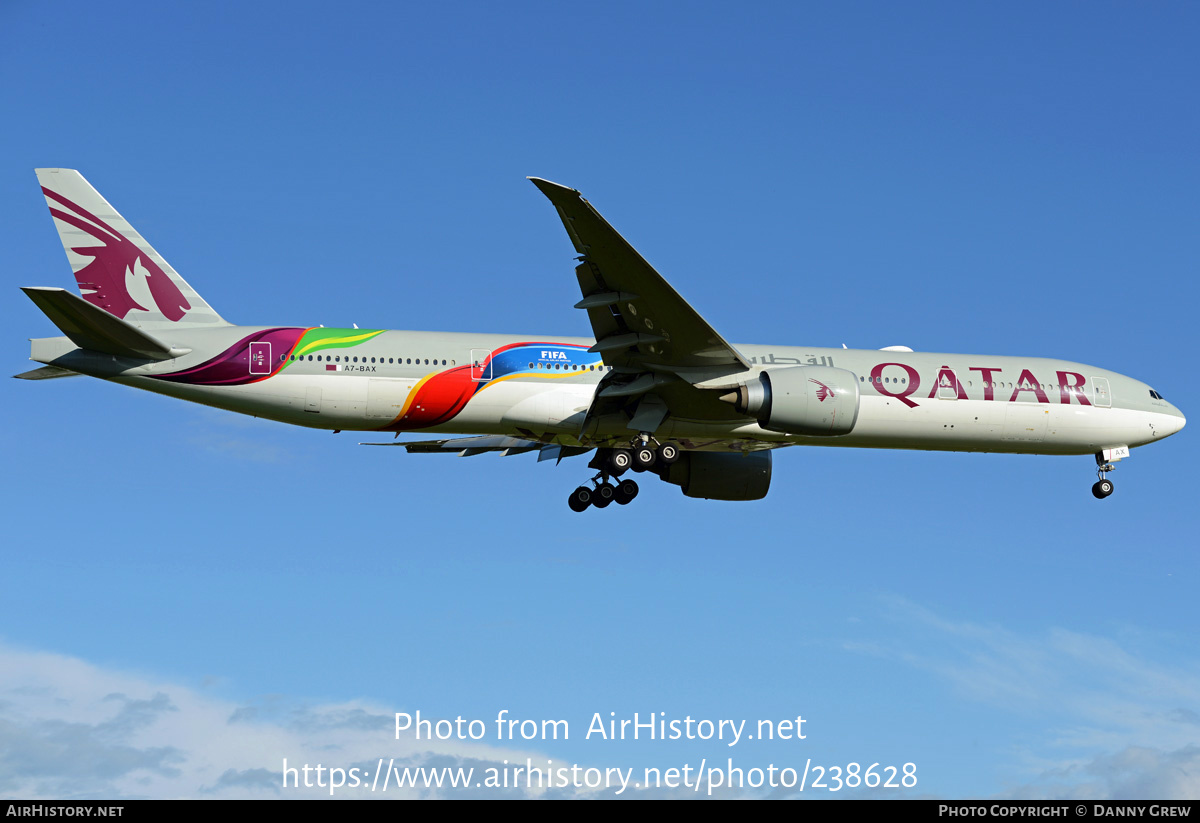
pixel 655 390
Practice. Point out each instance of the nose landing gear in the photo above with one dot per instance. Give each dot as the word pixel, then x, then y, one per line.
pixel 1103 487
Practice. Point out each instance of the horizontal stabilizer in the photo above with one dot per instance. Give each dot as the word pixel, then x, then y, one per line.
pixel 94 329
pixel 46 373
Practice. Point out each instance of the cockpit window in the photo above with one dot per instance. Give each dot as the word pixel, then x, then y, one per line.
pixel 1156 395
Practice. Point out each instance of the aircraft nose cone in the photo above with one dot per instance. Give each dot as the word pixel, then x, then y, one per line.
pixel 1173 422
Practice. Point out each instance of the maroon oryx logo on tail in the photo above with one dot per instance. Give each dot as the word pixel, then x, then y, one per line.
pixel 823 391
pixel 102 282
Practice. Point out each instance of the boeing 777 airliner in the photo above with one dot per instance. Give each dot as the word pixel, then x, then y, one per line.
pixel 655 389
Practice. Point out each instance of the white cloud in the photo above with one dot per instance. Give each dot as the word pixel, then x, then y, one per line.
pixel 1123 725
pixel 1134 773
pixel 69 729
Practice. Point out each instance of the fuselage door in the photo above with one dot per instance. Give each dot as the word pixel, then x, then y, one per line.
pixel 481 365
pixel 947 384
pixel 260 358
pixel 1101 392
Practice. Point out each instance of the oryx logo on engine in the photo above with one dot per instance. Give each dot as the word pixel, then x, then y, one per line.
pixel 823 391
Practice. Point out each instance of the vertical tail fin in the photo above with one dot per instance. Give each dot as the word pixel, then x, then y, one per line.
pixel 116 269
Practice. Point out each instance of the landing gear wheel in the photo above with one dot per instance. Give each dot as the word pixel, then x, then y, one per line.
pixel 643 458
pixel 1103 487
pixel 580 499
pixel 605 494
pixel 620 460
pixel 626 491
pixel 668 453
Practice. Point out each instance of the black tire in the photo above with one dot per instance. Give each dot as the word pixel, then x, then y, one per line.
pixel 620 460
pixel 643 458
pixel 580 499
pixel 1102 489
pixel 605 494
pixel 668 453
pixel 626 491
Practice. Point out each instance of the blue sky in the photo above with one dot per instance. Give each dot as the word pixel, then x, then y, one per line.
pixel 191 596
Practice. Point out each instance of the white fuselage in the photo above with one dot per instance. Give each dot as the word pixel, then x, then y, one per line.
pixel 908 400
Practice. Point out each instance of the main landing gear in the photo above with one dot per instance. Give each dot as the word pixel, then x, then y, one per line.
pixel 642 455
pixel 1103 487
pixel 602 494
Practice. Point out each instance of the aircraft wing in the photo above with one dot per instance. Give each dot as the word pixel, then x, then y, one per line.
pixel 638 320
pixel 658 346
pixel 469 446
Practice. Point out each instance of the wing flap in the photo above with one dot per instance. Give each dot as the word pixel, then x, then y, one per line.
pixel 464 445
pixel 470 446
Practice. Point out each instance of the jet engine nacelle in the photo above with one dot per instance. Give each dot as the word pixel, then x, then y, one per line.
pixel 815 400
pixel 721 476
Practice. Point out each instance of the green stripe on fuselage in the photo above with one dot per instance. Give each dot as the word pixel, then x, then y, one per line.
pixel 315 340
